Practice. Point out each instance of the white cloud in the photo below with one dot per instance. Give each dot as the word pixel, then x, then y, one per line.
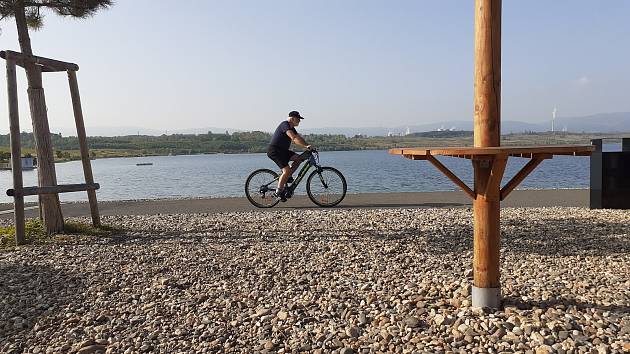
pixel 583 81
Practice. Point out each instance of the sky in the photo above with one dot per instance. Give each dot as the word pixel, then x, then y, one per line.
pixel 245 64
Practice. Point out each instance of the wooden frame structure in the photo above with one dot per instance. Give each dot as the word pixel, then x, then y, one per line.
pixel 489 165
pixel 488 158
pixel 19 191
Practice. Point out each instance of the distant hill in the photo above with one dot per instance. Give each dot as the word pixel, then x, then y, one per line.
pixel 596 123
pixel 600 123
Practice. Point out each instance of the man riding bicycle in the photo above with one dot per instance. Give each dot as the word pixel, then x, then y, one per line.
pixel 278 150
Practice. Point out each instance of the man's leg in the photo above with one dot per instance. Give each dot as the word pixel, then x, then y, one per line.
pixel 287 171
pixel 282 181
pixel 296 163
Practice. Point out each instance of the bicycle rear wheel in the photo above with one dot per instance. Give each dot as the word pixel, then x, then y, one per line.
pixel 326 187
pixel 259 188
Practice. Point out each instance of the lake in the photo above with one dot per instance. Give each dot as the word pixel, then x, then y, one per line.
pixel 223 175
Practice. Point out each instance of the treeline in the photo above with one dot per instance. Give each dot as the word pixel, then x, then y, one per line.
pixel 66 148
pixel 238 142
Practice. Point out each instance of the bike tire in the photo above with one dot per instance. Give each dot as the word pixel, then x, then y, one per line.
pixel 258 199
pixel 334 177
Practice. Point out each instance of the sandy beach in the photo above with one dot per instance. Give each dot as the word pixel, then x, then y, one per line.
pixel 392 277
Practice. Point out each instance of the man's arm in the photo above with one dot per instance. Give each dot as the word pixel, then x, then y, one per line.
pixel 297 138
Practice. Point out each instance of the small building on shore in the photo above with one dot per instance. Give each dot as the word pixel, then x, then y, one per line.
pixel 28 163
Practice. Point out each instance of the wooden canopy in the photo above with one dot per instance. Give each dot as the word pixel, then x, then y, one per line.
pixel 516 151
pixel 537 154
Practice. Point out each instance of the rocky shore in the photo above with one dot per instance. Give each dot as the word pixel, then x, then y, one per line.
pixel 320 281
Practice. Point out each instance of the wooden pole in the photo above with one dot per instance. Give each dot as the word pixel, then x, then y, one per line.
pixel 487 111
pixel 85 154
pixel 16 153
pixel 487 73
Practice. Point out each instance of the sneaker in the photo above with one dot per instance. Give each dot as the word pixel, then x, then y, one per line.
pixel 280 194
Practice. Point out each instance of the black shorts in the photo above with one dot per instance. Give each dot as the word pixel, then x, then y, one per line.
pixel 280 156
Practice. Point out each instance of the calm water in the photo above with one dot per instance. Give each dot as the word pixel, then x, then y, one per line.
pixel 224 175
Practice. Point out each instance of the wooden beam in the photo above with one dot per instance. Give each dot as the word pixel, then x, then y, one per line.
pixel 520 176
pixel 494 181
pixel 19 61
pixel 16 152
pixel 451 176
pixel 47 64
pixel 85 154
pixel 63 188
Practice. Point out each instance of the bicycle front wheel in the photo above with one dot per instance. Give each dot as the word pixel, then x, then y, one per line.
pixel 326 187
pixel 259 188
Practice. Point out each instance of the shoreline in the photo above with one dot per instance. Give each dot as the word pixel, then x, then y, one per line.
pixel 443 199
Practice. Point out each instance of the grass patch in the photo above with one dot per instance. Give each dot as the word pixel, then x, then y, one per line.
pixel 33 229
pixel 35 232
pixel 78 228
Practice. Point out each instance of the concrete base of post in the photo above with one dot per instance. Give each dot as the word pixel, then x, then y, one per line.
pixel 486 297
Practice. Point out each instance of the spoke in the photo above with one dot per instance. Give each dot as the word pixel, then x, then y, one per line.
pixel 259 190
pixel 327 187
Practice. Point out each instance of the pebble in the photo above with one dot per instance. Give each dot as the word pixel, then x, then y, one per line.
pixel 412 322
pixel 362 320
pixel 353 332
pixel 90 349
pixel 282 315
pixel 269 345
pixel 322 280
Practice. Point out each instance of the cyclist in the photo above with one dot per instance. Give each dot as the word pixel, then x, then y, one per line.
pixel 278 150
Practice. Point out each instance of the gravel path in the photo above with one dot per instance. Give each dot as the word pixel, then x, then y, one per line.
pixel 343 281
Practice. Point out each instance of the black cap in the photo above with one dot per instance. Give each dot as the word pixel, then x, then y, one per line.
pixel 295 114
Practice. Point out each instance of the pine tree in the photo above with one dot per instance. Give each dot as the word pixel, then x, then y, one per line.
pixel 30 14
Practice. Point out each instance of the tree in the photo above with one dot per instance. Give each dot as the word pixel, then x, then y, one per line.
pixel 30 13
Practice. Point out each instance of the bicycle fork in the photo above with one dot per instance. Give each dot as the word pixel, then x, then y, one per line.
pixel 319 173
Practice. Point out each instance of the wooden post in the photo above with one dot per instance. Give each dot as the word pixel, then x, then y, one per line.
pixel 487 109
pixel 85 154
pixel 16 153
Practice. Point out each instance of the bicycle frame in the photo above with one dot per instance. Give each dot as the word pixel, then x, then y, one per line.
pixel 300 175
pixel 312 161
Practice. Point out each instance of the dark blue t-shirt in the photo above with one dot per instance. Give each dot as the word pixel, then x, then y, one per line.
pixel 280 138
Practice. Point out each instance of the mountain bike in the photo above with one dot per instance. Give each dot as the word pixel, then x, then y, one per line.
pixel 325 186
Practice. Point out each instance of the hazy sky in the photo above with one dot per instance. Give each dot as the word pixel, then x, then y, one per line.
pixel 245 64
